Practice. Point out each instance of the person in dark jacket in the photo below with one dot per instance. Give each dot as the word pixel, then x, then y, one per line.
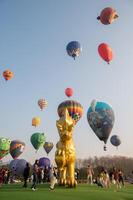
pixel 26 174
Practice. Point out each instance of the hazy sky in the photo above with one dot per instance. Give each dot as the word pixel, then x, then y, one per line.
pixel 33 39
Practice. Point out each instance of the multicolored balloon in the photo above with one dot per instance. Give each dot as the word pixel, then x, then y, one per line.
pixel 44 162
pixel 37 140
pixel 74 108
pixel 36 121
pixel 8 75
pixel 16 148
pixel 115 140
pixel 101 118
pixel 42 103
pixel 4 147
pixel 74 49
pixel 48 146
pixel 107 16
pixel 105 52
pixel 69 92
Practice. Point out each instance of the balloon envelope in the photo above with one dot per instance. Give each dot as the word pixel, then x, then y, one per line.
pixel 7 74
pixel 101 120
pixel 17 166
pixel 115 140
pixel 44 162
pixel 12 166
pixel 74 108
pixel 105 52
pixel 108 15
pixel 4 147
pixel 69 92
pixel 42 103
pixel 37 140
pixel 16 148
pixel 36 121
pixel 74 49
pixel 48 146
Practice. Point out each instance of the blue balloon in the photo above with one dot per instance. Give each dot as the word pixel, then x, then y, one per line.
pixel 44 162
pixel 17 167
pixel 74 49
pixel 101 118
pixel 115 140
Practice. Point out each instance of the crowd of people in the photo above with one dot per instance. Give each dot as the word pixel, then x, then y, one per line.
pixel 37 175
pixel 33 174
pixel 104 179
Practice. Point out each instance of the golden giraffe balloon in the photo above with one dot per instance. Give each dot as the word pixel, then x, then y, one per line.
pixel 65 152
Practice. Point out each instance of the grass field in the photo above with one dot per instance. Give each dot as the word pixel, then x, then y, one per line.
pixel 82 192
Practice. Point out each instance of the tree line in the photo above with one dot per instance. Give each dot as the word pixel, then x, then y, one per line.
pixel 106 162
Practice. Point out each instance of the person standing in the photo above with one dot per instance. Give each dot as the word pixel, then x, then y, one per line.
pixel 90 174
pixel 53 178
pixel 26 174
pixel 35 175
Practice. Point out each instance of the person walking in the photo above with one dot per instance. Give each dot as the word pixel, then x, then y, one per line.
pixel 26 174
pixel 90 174
pixel 35 175
pixel 53 178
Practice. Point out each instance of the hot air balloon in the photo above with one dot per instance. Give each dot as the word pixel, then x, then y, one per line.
pixel 44 162
pixel 105 52
pixel 17 167
pixel 107 16
pixel 101 118
pixel 69 92
pixel 42 103
pixel 16 148
pixel 8 75
pixel 4 147
pixel 37 140
pixel 74 108
pixel 48 146
pixel 12 166
pixel 36 121
pixel 74 49
pixel 115 140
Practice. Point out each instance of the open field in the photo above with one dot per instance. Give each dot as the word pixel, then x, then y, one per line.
pixel 17 192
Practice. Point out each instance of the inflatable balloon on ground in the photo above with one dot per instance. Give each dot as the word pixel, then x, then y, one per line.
pixel 74 49
pixel 115 140
pixel 69 92
pixel 74 108
pixel 36 121
pixel 105 52
pixel 17 167
pixel 4 147
pixel 8 75
pixel 101 118
pixel 44 162
pixel 107 16
pixel 16 148
pixel 37 140
pixel 12 166
pixel 48 146
pixel 42 103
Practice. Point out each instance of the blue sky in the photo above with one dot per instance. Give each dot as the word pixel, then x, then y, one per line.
pixel 33 39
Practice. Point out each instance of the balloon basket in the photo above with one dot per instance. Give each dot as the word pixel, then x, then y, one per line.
pixel 105 148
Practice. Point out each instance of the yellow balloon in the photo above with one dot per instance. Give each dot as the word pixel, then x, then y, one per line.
pixel 36 121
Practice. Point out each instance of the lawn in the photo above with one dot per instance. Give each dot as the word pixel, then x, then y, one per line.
pixel 17 192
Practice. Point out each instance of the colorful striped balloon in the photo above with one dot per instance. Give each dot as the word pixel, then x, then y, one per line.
pixel 42 103
pixel 74 108
pixel 16 148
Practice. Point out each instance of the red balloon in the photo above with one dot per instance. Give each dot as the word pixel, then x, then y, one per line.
pixel 105 52
pixel 69 92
